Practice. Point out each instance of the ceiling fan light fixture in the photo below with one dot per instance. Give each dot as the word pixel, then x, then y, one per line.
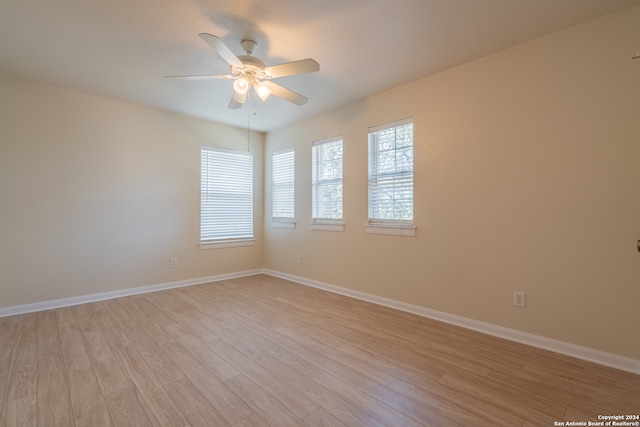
pixel 263 91
pixel 241 86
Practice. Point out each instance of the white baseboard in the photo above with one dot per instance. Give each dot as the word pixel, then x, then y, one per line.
pixel 579 352
pixel 102 296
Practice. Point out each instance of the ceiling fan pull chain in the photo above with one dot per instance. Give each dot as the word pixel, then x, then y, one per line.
pixel 254 105
pixel 248 130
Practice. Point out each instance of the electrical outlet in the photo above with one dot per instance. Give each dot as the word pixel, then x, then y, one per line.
pixel 174 262
pixel 518 298
pixel 299 259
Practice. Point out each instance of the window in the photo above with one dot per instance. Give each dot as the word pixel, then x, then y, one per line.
pixel 326 181
pixel 226 197
pixel 391 178
pixel 283 188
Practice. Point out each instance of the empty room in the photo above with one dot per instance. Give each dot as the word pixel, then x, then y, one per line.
pixel 320 213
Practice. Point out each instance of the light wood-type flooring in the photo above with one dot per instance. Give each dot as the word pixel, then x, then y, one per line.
pixel 262 351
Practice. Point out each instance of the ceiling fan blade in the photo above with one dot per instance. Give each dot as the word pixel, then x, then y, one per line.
pixel 237 100
pixel 286 94
pixel 291 68
pixel 203 77
pixel 222 49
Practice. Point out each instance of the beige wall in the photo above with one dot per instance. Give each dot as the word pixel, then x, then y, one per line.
pixel 527 177
pixel 97 195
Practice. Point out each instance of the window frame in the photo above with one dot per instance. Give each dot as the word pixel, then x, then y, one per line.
pixel 226 172
pixel 318 165
pixel 394 226
pixel 283 184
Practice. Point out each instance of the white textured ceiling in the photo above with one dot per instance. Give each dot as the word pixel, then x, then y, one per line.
pixel 121 49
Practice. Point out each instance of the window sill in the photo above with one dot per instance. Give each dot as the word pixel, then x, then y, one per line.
pixel 282 224
pixel 327 226
pixel 393 230
pixel 225 244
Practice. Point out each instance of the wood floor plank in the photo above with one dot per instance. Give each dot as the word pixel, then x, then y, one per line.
pixel 54 400
pixel 606 390
pixel 295 401
pixel 4 382
pixel 462 409
pixel 21 412
pixel 252 420
pixel 281 353
pixel 147 323
pixel 505 395
pixel 121 316
pixel 318 394
pixel 71 342
pixel 322 418
pixel 195 407
pixel 108 372
pixel 232 408
pixel 26 323
pixel 110 329
pixel 376 408
pixel 157 404
pixel 262 404
pixel 391 398
pixel 553 390
pixel 7 345
pixel 7 341
pixel 217 365
pixel 86 323
pixel 151 311
pixel 164 369
pixel 87 401
pixel 180 316
pixel 23 377
pixel 125 409
pixel 317 354
pixel 48 339
pixel 523 408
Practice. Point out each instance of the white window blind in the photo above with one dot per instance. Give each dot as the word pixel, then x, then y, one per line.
pixel 326 180
pixel 226 194
pixel 391 173
pixel 283 185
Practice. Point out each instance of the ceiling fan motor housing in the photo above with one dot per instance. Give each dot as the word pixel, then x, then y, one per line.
pixel 252 67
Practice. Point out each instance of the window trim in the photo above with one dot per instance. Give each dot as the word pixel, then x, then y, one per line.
pixel 396 227
pixel 275 223
pixel 210 244
pixel 327 224
pixel 393 230
pixel 283 222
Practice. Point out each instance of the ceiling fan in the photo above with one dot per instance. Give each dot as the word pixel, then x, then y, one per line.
pixel 247 71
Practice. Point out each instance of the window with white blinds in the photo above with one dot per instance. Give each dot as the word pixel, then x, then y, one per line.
pixel 283 186
pixel 226 195
pixel 391 174
pixel 326 180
